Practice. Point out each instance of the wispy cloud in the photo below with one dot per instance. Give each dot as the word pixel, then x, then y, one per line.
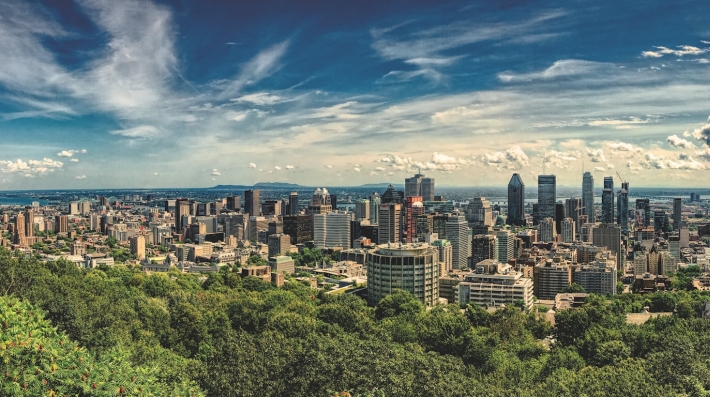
pixel 141 132
pixel 682 50
pixel 264 64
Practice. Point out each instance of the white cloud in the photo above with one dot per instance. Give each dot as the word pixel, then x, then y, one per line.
pixel 356 169
pixel 702 133
pixel 379 169
pixel 620 124
pixel 141 132
pixel 30 168
pixel 635 169
pixel 597 155
pixel 259 99
pixel 561 68
pixel 66 153
pixel 277 168
pixel 252 165
pixel 679 142
pixel 328 166
pixel 599 169
pixel 75 160
pixel 263 65
pixel 80 177
pixel 681 51
pixel 215 172
pixel 236 116
pixel 623 147
pixel 290 167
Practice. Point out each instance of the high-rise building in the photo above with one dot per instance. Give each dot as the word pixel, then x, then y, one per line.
pixel 548 229
pixel 457 234
pixel 643 212
pixel 506 245
pixel 375 208
pixel 573 209
pixel 392 196
pixel 568 230
pixel 74 208
pixel 516 201
pixel 588 196
pixel 279 244
pixel 608 200
pixel 411 267
pixel 551 278
pixel 483 246
pixel 252 201
pixel 677 210
pixel 85 208
pixel 389 225
pixel 271 207
pixel 609 236
pixel 29 223
pixel 332 230
pixel 320 202
pixel 362 209
pixel 234 203
pixel 419 185
pixel 299 228
pixel 334 202
pixel 138 247
pixel 293 206
pixel 622 208
pixel 546 196
pixel 61 224
pixel 446 253
pixel 494 284
pixel 414 208
pixel 20 233
pixel 479 212
pixel 560 214
pixel 182 208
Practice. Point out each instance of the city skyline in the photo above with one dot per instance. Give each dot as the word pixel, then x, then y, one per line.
pixel 147 94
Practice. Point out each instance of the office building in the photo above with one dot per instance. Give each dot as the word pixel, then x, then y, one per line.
pixel 546 196
pixel 84 208
pixel 234 203
pixel 609 236
pixel 516 201
pixel 362 209
pixel 375 208
pixel 299 228
pixel 182 209
pixel 568 230
pixel 78 248
pixel 392 196
pixel 138 247
pixel 282 264
pixel 494 284
pixel 677 210
pixel 457 234
pixel 608 200
pixel 551 278
pixel 320 202
pixel 643 212
pixel 548 230
pixel 271 207
pixel 279 244
pixel 332 229
pixel 573 209
pixel 20 233
pixel 74 208
pixel 483 246
pixel 661 222
pixel 479 212
pixel 588 196
pixel 413 209
pixel 622 208
pixel 419 185
pixel 410 267
pixel 389 224
pixel 506 245
pixel 293 205
pixel 30 223
pixel 252 201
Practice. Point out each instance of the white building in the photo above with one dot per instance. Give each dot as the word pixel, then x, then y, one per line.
pixel 494 284
pixel 332 229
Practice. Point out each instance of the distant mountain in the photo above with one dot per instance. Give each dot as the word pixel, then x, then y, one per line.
pixel 260 185
pixel 382 185
pixel 278 184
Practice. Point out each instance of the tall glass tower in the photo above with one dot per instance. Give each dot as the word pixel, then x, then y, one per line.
pixel 608 200
pixel 622 208
pixel 588 196
pixel 516 201
pixel 546 196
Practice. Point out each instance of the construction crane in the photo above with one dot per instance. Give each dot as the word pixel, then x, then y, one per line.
pixel 619 175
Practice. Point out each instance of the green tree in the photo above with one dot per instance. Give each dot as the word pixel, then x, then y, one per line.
pixel 398 303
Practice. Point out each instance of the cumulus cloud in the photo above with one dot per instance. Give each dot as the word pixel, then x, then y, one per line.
pixel 80 177
pixel 252 165
pixel 215 172
pixel 74 160
pixel 438 162
pixel 679 142
pixel 633 167
pixel 513 158
pixel 66 153
pixel 599 169
pixel 328 166
pixel 596 155
pixel 622 147
pixel 685 162
pixel 681 51
pixel 650 160
pixel 379 169
pixel 560 159
pixel 356 169
pixel 277 168
pixel 702 133
pixel 31 167
pixel 290 167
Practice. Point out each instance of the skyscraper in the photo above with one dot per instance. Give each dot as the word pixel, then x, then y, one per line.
pixel 588 196
pixel 413 209
pixel 609 236
pixel 567 231
pixel 608 200
pixel 506 245
pixel 483 246
pixel 234 203
pixel 548 229
pixel 643 212
pixel 375 208
pixel 389 225
pixel 321 202
pixel 419 185
pixel 457 234
pixel 182 208
pixel 622 208
pixel 677 210
pixel 362 209
pixel 546 196
pixel 516 201
pixel 479 212
pixel 331 229
pixel 573 209
pixel 293 203
pixel 252 202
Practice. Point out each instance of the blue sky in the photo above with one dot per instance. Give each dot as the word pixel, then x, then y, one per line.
pixel 138 93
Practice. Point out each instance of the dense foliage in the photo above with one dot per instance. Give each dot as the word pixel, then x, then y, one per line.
pixel 244 337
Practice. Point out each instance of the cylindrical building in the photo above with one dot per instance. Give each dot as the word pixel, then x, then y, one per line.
pixel 409 267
